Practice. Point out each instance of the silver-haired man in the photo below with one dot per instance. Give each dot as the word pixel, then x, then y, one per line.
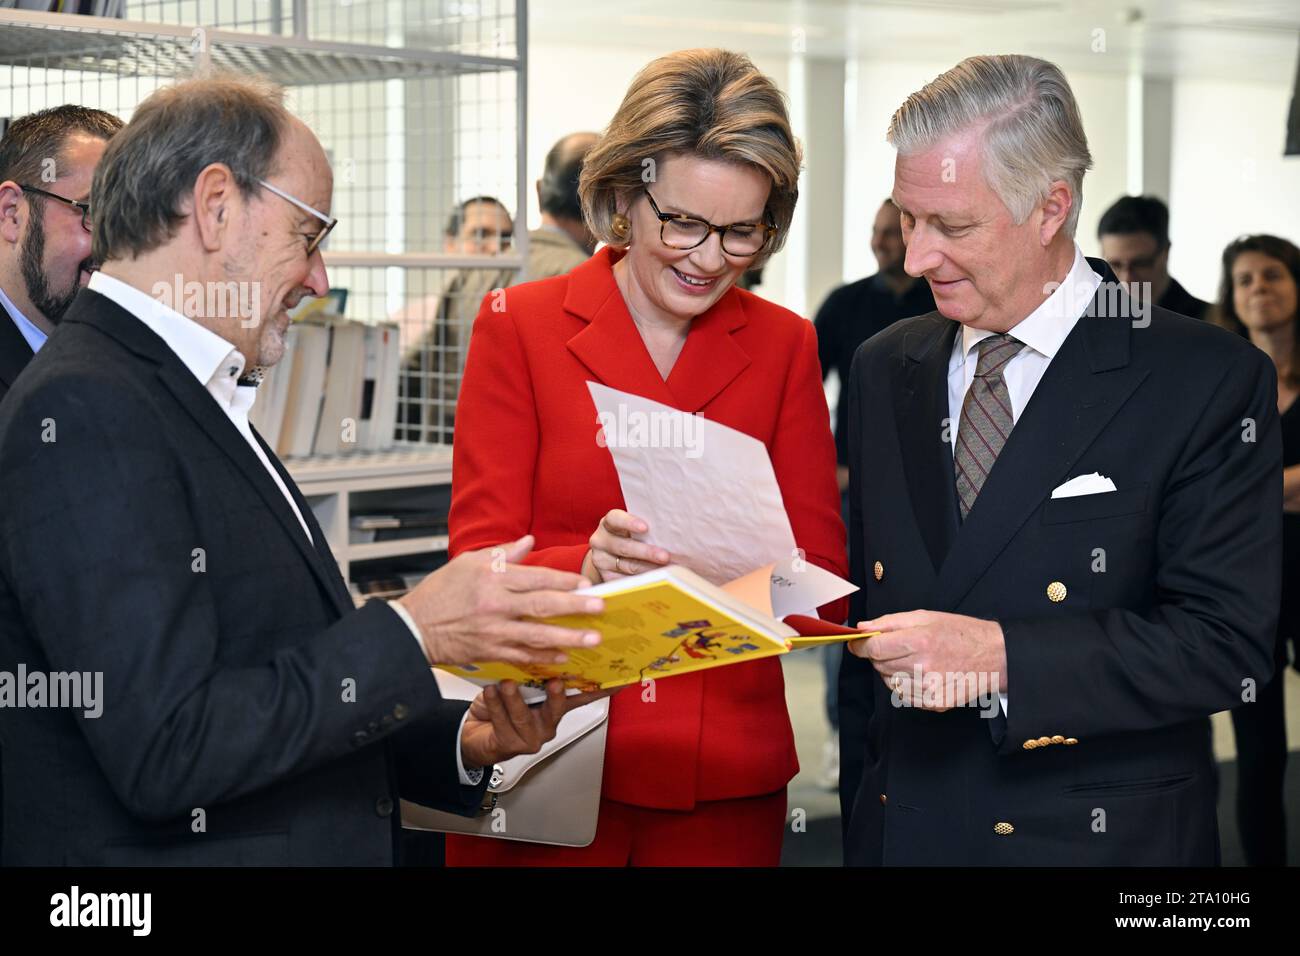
pixel 1061 499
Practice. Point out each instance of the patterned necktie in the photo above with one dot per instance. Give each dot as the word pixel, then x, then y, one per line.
pixel 986 419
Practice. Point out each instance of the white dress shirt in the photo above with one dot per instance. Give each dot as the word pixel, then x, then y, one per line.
pixel 213 361
pixel 217 365
pixel 1041 332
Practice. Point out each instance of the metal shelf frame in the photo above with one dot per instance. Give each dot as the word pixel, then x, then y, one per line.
pixel 281 49
pixel 74 42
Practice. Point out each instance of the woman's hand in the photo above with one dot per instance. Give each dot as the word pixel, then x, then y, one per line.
pixel 616 554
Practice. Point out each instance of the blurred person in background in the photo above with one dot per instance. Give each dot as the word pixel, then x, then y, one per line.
pixel 479 226
pixel 1257 299
pixel 1134 237
pixel 563 241
pixel 434 329
pixel 858 310
pixel 45 224
pixel 44 230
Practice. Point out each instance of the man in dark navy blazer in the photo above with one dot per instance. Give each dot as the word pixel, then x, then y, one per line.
pixel 222 701
pixel 1065 518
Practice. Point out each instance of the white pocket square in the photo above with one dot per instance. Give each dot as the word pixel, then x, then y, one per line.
pixel 1094 484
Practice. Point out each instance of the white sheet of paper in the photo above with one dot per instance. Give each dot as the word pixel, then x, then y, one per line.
pixel 800 587
pixel 707 491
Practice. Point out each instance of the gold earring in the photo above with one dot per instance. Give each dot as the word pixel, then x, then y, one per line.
pixel 622 226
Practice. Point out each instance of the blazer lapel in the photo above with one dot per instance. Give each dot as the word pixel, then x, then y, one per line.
pixel 919 411
pixel 338 588
pixel 611 347
pixel 711 358
pixel 195 401
pixel 198 403
pixel 1087 382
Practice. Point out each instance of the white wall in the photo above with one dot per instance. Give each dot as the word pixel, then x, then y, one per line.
pixel 869 167
pixel 1229 175
pixel 1102 99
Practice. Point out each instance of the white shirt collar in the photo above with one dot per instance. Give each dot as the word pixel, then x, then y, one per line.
pixel 1044 329
pixel 207 355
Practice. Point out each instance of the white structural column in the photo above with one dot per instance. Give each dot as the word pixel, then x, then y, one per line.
pixel 1149 134
pixel 823 186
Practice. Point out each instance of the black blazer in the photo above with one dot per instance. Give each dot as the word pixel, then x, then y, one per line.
pixel 142 539
pixel 1172 592
pixel 15 353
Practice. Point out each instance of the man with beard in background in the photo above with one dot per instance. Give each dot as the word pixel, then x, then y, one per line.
pixel 47 160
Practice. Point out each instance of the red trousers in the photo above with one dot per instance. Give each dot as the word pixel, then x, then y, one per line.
pixel 744 832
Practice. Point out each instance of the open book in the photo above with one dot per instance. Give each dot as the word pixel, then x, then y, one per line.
pixel 671 621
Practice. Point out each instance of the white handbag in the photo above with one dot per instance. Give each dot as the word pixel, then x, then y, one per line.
pixel 552 796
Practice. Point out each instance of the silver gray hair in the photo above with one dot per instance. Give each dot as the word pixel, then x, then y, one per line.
pixel 1032 132
pixel 149 168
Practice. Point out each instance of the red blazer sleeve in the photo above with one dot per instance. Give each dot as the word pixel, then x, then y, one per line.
pixel 494 456
pixel 803 457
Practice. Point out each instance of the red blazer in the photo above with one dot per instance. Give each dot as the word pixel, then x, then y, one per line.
pixel 526 461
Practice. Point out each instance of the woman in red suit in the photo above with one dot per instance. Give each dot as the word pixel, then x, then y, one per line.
pixel 693 183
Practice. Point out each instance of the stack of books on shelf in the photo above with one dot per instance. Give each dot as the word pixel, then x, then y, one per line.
pixel 396 525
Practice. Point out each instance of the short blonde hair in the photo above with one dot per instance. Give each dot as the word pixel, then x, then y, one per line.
pixel 1033 133
pixel 712 104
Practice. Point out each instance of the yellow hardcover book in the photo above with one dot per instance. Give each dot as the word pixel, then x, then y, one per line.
pixel 659 624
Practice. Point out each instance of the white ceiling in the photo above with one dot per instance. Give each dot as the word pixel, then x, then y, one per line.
pixel 1254 40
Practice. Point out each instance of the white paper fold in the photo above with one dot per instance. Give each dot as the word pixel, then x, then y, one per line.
pixel 710 497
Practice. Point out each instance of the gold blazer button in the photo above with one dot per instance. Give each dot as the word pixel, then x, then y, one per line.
pixel 1056 592
pixel 878 570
